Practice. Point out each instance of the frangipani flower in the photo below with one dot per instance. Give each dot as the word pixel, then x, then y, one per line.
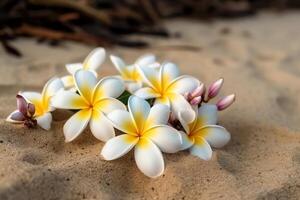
pixel 41 101
pixel 145 130
pixel 130 73
pixel 94 102
pixel 167 87
pixel 91 63
pixel 203 132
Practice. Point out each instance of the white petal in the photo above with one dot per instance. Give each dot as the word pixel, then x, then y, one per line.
pixel 72 68
pixel 162 100
pixel 208 113
pixel 159 115
pixel 74 89
pixel 76 124
pixel 44 121
pixel 183 84
pixel 107 105
pixel 122 121
pixel 146 93
pixel 165 137
pixel 118 63
pixel 186 141
pixel 51 88
pixel 216 136
pixel 201 149
pixel 94 72
pixel 186 116
pixel 108 87
pixel 32 96
pixel 94 59
pixel 101 127
pixel 155 65
pixel 139 110
pixel 85 82
pixel 151 76
pixel 149 158
pixel 178 102
pixel 169 71
pixel 9 118
pixel 118 146
pixel 146 60
pixel 68 81
pixel 68 100
pixel 132 86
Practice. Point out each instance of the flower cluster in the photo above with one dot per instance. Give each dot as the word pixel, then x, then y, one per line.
pixel 154 107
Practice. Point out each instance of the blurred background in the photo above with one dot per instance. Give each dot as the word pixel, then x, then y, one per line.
pixel 109 22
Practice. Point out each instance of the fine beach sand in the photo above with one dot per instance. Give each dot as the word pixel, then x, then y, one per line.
pixel 259 57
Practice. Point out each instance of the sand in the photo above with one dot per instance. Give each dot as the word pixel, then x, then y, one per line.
pixel 259 57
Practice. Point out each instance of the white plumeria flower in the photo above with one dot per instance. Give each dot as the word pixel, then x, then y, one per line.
pixel 130 73
pixel 91 63
pixel 41 102
pixel 167 87
pixel 203 132
pixel 94 102
pixel 146 130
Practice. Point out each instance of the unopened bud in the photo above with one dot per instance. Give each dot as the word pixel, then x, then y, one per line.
pixel 198 91
pixel 196 101
pixel 214 88
pixel 225 102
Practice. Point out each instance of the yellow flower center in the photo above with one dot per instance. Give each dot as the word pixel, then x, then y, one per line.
pixel 40 107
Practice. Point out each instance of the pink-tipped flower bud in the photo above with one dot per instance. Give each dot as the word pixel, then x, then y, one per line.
pixel 225 102
pixel 198 91
pixel 196 101
pixel 215 88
